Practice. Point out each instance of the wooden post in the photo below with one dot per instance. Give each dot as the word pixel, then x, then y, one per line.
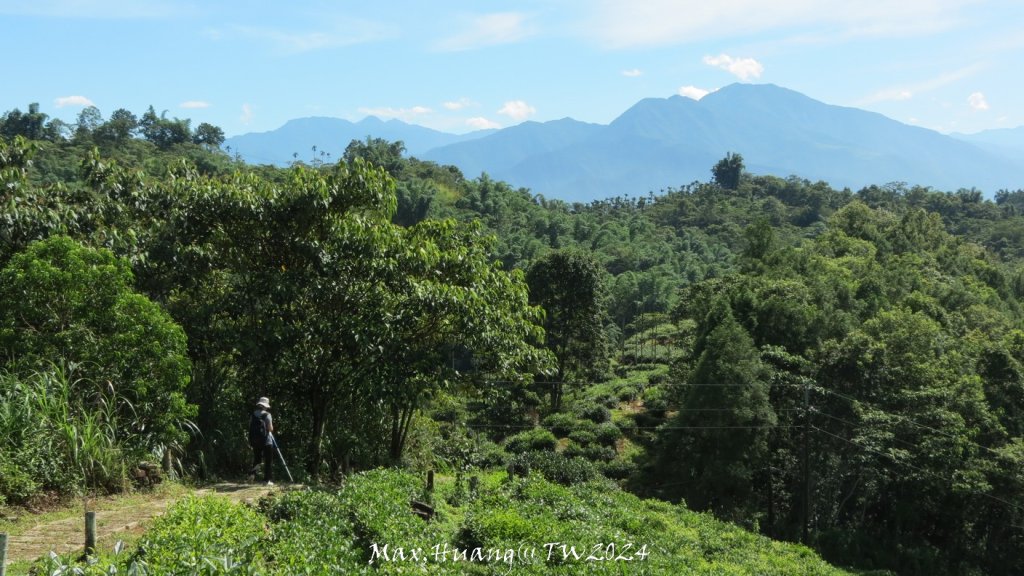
pixel 90 533
pixel 3 554
pixel 474 484
pixel 430 480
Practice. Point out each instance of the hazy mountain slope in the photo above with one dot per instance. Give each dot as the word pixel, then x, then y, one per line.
pixel 498 152
pixel 1008 142
pixel 669 142
pixel 331 136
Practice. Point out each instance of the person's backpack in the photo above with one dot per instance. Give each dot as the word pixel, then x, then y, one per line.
pixel 257 430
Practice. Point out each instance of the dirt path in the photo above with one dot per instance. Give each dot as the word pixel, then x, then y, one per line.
pixel 68 535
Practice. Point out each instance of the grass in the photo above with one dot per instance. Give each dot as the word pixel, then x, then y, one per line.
pixel 331 532
pixel 16 521
pixel 71 507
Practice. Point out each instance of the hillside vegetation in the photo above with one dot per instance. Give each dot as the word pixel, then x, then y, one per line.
pixel 843 368
pixel 524 526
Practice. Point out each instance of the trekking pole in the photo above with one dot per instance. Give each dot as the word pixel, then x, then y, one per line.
pixel 281 456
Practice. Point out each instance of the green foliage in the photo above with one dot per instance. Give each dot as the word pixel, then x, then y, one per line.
pixel 595 412
pixel 717 472
pixel 59 299
pixel 556 467
pixel 534 439
pixel 569 286
pixel 318 532
pixel 560 423
pixel 607 434
pixel 63 434
pixel 896 308
pixel 728 170
pixel 204 535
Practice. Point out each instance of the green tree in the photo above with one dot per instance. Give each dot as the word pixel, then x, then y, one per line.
pixel 121 126
pixel 453 299
pixel 60 300
pixel 716 448
pixel 569 286
pixel 208 135
pixel 728 170
pixel 89 120
pixel 26 124
pixel 379 152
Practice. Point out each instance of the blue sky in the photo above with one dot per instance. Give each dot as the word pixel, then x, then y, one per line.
pixel 950 65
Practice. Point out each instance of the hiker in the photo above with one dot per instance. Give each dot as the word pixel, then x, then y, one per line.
pixel 261 425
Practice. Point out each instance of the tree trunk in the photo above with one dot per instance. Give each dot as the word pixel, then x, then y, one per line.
pixel 319 412
pixel 556 387
pixel 395 451
pixel 401 421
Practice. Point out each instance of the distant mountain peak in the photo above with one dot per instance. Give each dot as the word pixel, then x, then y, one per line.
pixel 672 141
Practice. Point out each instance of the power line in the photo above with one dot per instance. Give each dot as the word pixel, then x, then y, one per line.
pixel 916 468
pixel 855 401
pixel 848 423
pixel 738 427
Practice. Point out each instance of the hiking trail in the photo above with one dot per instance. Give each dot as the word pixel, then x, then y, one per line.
pixel 68 535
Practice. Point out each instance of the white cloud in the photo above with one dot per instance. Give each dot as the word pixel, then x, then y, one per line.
pixel 489 30
pixel 627 23
pixel 742 68
pixel 633 73
pixel 889 95
pixel 977 101
pixel 72 101
pixel 459 104
pixel 405 114
pixel 246 113
pixel 194 104
pixel 481 123
pixel 517 110
pixel 898 93
pixel 693 92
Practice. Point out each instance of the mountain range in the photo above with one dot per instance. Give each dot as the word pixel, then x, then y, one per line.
pixel 669 142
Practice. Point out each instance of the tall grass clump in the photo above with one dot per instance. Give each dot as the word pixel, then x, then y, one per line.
pixel 62 434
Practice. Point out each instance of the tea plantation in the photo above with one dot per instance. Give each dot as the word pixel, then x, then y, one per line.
pixel 519 526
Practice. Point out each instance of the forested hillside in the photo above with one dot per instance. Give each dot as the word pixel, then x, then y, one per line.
pixel 843 368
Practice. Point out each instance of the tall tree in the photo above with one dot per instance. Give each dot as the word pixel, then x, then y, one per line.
pixel 379 152
pixel 728 170
pixel 208 135
pixel 717 445
pixel 569 286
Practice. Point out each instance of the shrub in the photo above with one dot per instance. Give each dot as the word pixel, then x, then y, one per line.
pixel 627 391
pixel 196 532
pixel 560 423
pixel 535 439
pixel 590 452
pixel 489 455
pixel 583 437
pixel 607 433
pixel 16 486
pixel 656 401
pixel 494 527
pixel 658 376
pixel 596 413
pixel 619 468
pixel 556 467
pixel 607 400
